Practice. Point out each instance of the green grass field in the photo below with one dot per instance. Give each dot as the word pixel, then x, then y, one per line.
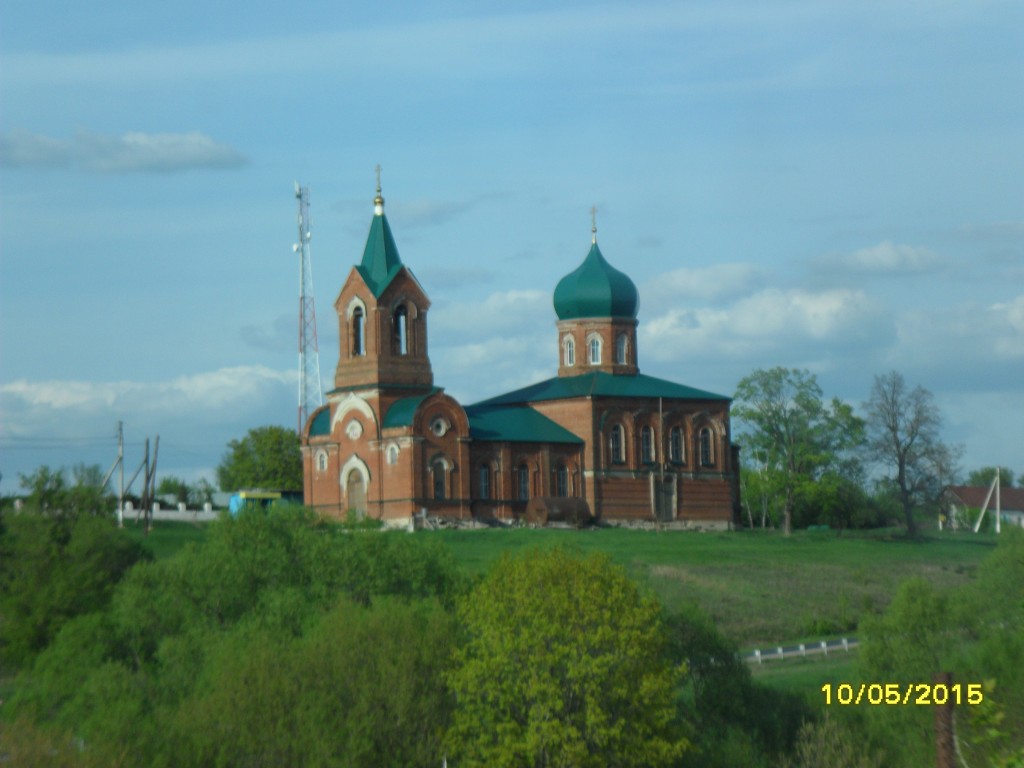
pixel 760 588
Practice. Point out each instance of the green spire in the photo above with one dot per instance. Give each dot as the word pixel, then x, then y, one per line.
pixel 381 261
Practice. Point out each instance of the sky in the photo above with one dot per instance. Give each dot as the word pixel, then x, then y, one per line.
pixel 836 187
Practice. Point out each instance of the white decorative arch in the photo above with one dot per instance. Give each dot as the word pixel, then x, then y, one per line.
pixel 352 402
pixel 354 464
pixel 410 306
pixel 353 305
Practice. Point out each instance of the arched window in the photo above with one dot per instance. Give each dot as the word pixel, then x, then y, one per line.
pixel 401 330
pixel 321 461
pixel 523 482
pixel 392 454
pixel 621 347
pixel 485 481
pixel 570 352
pixel 440 472
pixel 675 446
pixel 562 480
pixel 594 345
pixel 707 456
pixel 616 443
pixel 358 332
pixel 647 445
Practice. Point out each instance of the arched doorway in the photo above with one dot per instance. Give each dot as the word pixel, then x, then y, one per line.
pixel 355 477
pixel 355 495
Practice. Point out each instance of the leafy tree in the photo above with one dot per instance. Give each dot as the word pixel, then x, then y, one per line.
pixel 903 434
pixel 170 485
pixel 363 687
pixel 46 488
pixel 564 663
pixel 200 492
pixel 983 477
pixel 828 742
pixel 760 495
pixel 267 457
pixel 734 720
pixel 976 633
pixel 835 500
pixel 54 570
pixel 50 494
pixel 793 433
pixel 351 632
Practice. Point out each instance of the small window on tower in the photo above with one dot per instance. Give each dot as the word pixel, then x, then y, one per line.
pixel 621 347
pixel 358 332
pixel 595 350
pixel 401 330
pixel 570 352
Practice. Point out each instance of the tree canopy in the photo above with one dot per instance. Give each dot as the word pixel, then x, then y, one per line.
pixel 564 663
pixel 983 477
pixel 792 433
pixel 903 434
pixel 267 457
pixel 50 493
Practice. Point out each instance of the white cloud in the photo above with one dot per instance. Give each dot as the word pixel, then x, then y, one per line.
pixel 719 281
pixel 57 422
pixel 131 152
pixel 886 258
pixel 20 149
pixel 967 341
pixel 782 323
pixel 23 402
pixel 507 312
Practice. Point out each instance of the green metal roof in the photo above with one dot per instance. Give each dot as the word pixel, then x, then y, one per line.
pixel 515 424
pixel 402 412
pixel 321 423
pixel 596 289
pixel 600 384
pixel 380 261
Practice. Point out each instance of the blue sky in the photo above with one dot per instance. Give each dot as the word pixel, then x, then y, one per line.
pixel 832 186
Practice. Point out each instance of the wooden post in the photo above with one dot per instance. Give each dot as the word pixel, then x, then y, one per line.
pixel 945 750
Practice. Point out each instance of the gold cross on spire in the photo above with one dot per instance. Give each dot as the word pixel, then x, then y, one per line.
pixel 378 201
pixel 593 224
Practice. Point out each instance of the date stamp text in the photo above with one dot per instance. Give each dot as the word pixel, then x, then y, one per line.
pixel 899 694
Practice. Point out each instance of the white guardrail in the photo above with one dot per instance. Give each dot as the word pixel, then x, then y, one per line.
pixel 761 655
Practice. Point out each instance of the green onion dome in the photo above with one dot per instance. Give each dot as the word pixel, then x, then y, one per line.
pixel 596 289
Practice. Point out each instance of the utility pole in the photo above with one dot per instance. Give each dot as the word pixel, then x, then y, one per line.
pixel 310 393
pixel 120 464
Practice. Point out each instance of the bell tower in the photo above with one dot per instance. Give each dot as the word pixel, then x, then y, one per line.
pixel 596 307
pixel 382 317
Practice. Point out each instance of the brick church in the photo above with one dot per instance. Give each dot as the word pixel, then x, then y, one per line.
pixel 599 438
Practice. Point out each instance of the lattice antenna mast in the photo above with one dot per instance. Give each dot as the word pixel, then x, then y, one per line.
pixel 310 392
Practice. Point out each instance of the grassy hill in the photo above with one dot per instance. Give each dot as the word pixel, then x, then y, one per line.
pixel 759 587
